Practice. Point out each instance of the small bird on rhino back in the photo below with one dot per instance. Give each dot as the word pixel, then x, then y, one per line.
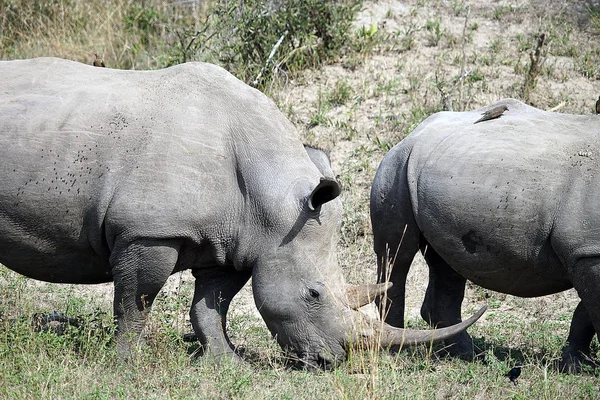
pixel 495 112
pixel 98 61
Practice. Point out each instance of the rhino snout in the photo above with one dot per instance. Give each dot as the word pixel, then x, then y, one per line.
pixel 318 361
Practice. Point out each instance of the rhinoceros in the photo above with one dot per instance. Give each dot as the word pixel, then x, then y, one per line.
pixel 131 176
pixel 510 204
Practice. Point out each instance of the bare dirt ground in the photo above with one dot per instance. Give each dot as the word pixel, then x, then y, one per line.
pixel 360 107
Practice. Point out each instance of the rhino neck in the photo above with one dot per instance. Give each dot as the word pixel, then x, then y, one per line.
pixel 271 182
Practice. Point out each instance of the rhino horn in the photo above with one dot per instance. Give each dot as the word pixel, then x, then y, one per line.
pixel 386 335
pixel 361 295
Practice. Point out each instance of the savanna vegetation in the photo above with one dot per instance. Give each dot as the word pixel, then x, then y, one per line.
pixel 355 78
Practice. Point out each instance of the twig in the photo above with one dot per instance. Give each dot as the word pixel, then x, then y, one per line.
pixel 538 57
pixel 447 95
pixel 182 38
pixel 464 56
pixel 177 2
pixel 557 107
pixel 273 51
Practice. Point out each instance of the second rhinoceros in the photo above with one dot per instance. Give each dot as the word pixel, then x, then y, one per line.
pixel 131 176
pixel 509 203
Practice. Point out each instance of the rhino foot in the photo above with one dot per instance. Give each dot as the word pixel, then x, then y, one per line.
pixel 461 346
pixel 218 357
pixel 219 354
pixel 576 361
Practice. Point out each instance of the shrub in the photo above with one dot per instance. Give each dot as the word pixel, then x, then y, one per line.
pixel 257 39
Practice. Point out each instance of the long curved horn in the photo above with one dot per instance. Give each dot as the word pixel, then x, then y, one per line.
pixel 387 335
pixel 361 295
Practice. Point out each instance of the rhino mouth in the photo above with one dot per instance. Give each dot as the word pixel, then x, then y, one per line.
pixel 315 361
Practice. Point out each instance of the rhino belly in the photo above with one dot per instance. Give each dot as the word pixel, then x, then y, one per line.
pixel 501 270
pixel 78 268
pixel 51 238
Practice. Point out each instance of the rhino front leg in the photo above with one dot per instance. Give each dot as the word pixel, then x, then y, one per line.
pixel 140 269
pixel 213 293
pixel 442 303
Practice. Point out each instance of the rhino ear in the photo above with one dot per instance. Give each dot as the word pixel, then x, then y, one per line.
pixel 327 190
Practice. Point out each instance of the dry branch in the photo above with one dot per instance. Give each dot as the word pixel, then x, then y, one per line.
pixel 271 55
pixel 537 57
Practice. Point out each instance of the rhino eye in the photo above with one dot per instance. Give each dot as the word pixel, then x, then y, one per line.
pixel 313 293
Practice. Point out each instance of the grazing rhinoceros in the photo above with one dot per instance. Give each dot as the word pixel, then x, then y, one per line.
pixel 131 176
pixel 510 204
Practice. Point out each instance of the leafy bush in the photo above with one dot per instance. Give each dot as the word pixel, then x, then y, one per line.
pixel 143 22
pixel 255 39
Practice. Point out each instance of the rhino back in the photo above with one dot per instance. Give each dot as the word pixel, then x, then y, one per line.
pixel 496 199
pixel 89 154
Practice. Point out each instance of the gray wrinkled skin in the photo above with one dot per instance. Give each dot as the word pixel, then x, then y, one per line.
pixel 131 176
pixel 510 204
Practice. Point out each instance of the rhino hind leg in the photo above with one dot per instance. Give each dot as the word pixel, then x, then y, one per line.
pixel 396 239
pixel 212 295
pixel 140 270
pixel 395 253
pixel 442 304
pixel 586 318
pixel 581 333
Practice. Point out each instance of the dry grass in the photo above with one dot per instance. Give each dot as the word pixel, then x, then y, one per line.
pixel 409 59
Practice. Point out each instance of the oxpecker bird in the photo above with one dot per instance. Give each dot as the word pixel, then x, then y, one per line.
pixel 495 112
pixel 98 61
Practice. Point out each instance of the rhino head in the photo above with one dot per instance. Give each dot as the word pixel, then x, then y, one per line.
pixel 300 290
